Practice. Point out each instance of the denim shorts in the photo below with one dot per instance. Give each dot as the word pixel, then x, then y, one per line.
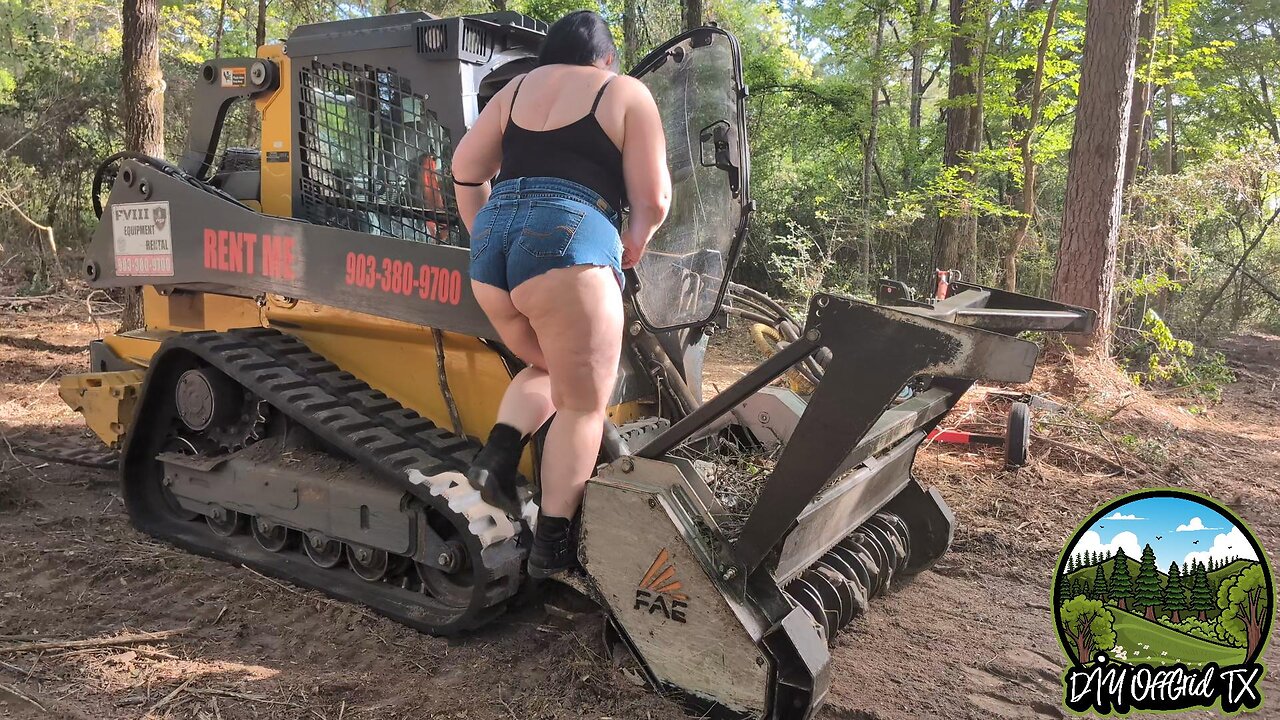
pixel 535 224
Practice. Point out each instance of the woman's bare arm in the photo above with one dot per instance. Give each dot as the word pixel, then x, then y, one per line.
pixel 644 168
pixel 479 155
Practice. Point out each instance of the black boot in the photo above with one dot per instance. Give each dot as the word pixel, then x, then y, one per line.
pixel 495 468
pixel 555 547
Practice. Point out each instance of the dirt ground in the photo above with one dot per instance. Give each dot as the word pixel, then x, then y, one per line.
pixel 971 639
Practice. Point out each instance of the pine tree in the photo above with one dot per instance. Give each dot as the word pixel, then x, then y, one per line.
pixel 1147 592
pixel 1175 596
pixel 1100 584
pixel 1203 594
pixel 1185 572
pixel 1121 581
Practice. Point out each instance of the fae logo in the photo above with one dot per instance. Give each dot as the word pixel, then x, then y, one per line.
pixel 659 590
pixel 1163 601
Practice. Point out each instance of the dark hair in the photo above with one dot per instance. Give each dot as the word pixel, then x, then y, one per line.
pixel 580 38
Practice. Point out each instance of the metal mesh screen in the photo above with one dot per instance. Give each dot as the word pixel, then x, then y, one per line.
pixel 373 157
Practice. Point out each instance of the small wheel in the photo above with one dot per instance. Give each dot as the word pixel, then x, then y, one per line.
pixel 1017 435
pixel 452 586
pixel 323 551
pixel 368 563
pixel 270 536
pixel 225 522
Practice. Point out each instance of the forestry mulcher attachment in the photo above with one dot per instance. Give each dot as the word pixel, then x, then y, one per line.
pixel 314 374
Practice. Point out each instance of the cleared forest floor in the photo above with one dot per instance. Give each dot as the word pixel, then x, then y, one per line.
pixel 971 639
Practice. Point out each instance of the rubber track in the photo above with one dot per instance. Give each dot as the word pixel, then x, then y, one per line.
pixel 363 423
pixel 68 452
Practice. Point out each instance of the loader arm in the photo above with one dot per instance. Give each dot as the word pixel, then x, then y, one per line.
pixel 875 350
pixel 219 245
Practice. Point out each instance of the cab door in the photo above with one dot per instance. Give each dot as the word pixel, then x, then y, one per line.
pixel 696 80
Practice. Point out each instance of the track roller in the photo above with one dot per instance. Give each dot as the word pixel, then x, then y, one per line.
pixel 270 536
pixel 323 551
pixel 368 563
pixel 225 522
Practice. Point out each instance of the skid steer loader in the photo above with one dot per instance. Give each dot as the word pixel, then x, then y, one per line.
pixel 314 374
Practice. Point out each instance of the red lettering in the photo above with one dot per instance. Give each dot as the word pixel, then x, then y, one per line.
pixel 250 239
pixel 210 248
pixel 224 263
pixel 268 250
pixel 286 255
pixel 237 251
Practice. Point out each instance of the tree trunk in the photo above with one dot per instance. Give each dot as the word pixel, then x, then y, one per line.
pixel 956 244
pixel 260 32
pixel 1033 89
pixel 630 33
pixel 869 152
pixel 1140 104
pixel 253 128
pixel 1150 614
pixel 692 14
pixel 1085 273
pixel 142 90
pixel 1121 603
pixel 1202 616
pixel 1176 617
pixel 217 34
pixel 1170 138
pixel 1084 638
pixel 915 114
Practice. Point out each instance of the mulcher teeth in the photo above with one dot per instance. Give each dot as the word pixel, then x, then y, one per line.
pixel 836 588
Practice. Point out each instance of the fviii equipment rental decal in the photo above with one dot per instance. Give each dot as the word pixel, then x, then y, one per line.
pixel 143 239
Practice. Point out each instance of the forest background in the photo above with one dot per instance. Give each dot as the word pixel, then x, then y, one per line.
pixel 889 138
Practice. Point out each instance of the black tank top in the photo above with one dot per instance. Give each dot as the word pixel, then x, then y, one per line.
pixel 581 152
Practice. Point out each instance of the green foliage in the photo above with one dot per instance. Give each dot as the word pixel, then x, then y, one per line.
pixel 1088 624
pixel 1175 595
pixel 1243 599
pixel 1147 592
pixel 812 68
pixel 1207 631
pixel 1121 580
pixel 1157 357
pixel 1100 584
pixel 1203 598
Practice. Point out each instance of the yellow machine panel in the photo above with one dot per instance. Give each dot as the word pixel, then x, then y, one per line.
pixel 276 195
pixel 105 399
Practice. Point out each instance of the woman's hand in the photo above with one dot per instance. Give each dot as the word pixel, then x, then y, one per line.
pixel 632 250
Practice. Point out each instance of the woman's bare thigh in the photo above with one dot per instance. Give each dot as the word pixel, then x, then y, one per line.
pixel 512 326
pixel 577 315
